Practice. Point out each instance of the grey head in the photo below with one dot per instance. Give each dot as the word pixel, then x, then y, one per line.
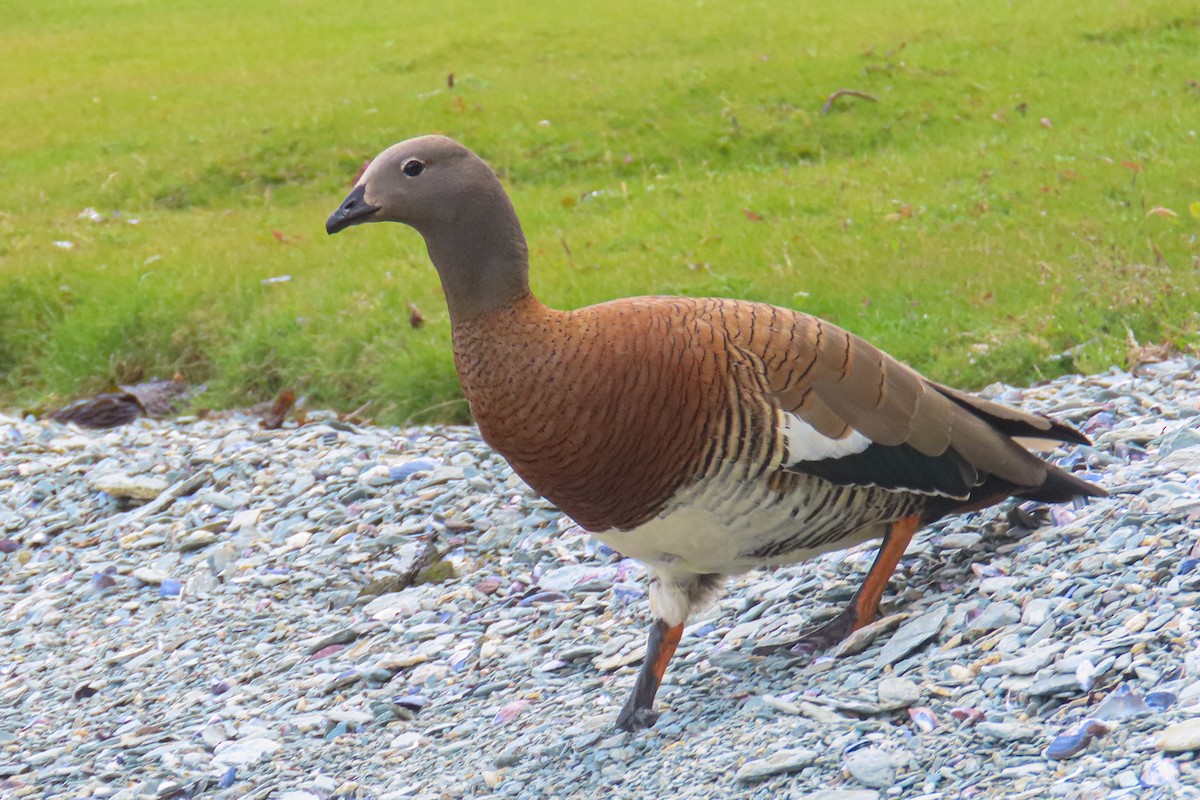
pixel 454 200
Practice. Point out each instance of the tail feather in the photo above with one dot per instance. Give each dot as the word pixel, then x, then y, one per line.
pixel 1014 422
pixel 1061 486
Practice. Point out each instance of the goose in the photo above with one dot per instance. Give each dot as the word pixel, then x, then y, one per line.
pixel 702 437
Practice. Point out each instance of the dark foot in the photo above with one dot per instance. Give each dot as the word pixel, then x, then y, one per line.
pixel 638 712
pixel 636 719
pixel 817 637
pixel 864 607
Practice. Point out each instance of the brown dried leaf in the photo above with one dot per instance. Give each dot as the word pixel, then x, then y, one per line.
pixel 277 413
pixel 415 318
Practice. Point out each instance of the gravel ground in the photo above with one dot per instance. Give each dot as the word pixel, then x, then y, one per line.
pixel 198 608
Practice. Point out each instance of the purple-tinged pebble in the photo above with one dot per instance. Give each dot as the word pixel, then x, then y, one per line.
pixel 628 592
pixel 1160 701
pixel 1188 566
pixel 85 691
pixel 1100 421
pixel 413 702
pixel 327 651
pixel 102 581
pixel 510 712
pixel 1061 516
pixel 626 568
pixel 228 778
pixel 923 718
pixel 1075 741
pixel 221 687
pixel 1121 704
pixel 988 571
pixel 542 597
pixel 9 546
pixel 1069 461
pixel 967 715
pixel 705 629
pixel 488 585
pixel 1159 771
pixel 410 468
pixel 170 588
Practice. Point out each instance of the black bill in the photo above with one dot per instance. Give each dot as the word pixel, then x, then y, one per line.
pixel 354 210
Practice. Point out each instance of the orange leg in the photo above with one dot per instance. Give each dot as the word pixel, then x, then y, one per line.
pixel 864 607
pixel 891 550
pixel 639 711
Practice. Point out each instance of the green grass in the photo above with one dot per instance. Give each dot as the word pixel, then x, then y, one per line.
pixel 994 208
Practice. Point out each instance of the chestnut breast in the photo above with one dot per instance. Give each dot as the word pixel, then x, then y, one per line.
pixel 607 411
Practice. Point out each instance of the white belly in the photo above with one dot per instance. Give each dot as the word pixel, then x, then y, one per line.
pixel 719 527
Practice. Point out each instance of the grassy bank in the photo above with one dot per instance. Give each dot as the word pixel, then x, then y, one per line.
pixel 1024 185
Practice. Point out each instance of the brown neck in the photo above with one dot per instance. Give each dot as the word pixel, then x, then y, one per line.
pixel 480 255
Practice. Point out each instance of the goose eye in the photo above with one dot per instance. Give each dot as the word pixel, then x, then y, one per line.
pixel 412 168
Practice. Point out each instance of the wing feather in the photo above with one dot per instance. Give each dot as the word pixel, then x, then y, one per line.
pixel 925 437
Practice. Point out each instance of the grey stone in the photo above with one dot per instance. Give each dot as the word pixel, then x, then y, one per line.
pixel 994 615
pixel 779 762
pixel 871 766
pixel 897 693
pixel 1007 731
pixel 1181 737
pixel 1054 685
pixel 912 634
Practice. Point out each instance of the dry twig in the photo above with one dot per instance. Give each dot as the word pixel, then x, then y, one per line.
pixel 825 109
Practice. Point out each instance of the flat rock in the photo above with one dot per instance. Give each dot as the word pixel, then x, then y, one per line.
pixel 995 615
pixel 132 487
pixel 150 576
pixel 1185 459
pixel 243 751
pixel 1180 737
pixel 838 794
pixel 912 635
pixel 862 638
pixel 1025 664
pixel 196 540
pixel 1007 731
pixel 778 763
pixel 1057 684
pixel 871 766
pixel 895 693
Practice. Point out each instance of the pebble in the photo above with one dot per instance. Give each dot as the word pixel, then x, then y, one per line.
pixel 995 615
pixel 871 766
pixel 913 634
pixel 1076 740
pixel 245 751
pixel 895 693
pixel 149 575
pixel 209 632
pixel 1006 731
pixel 1180 737
pixel 132 487
pixel 778 763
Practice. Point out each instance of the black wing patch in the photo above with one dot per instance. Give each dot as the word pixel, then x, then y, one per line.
pixel 899 467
